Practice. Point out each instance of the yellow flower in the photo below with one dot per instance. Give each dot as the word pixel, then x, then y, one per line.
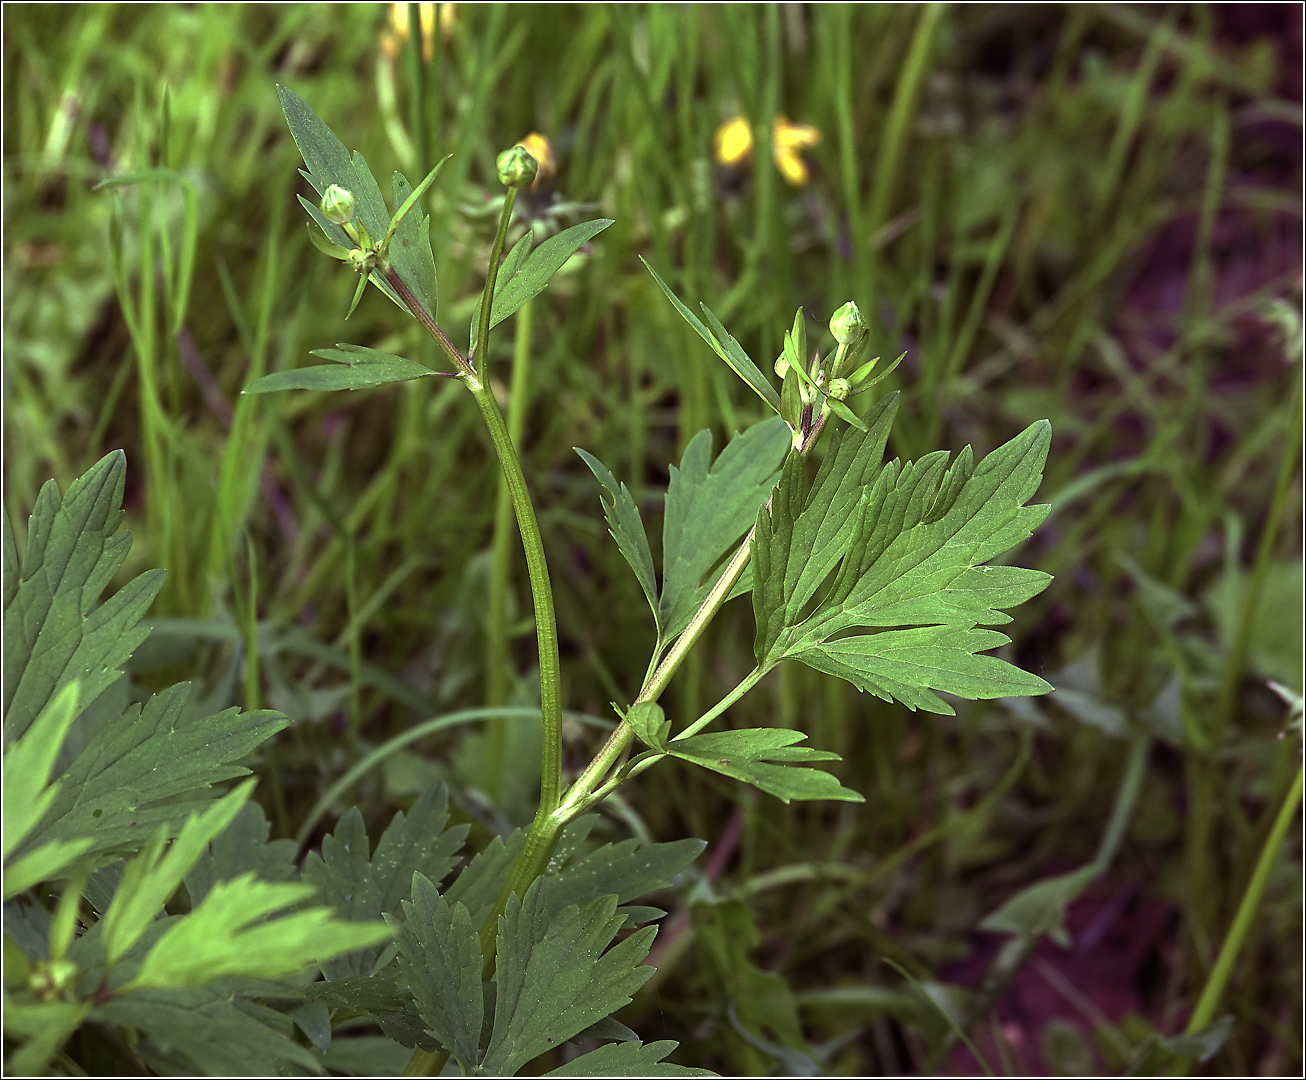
pixel 539 148
pixel 786 141
pixel 733 145
pixel 395 34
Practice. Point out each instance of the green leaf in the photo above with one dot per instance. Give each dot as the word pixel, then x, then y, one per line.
pixel 531 274
pixel 440 957
pixel 627 869
pixel 910 664
pixel 409 250
pixel 361 368
pixel 27 764
pixel 900 546
pixel 627 1059
pixel 209 1031
pixel 149 767
pixel 330 163
pixel 723 345
pixel 44 1028
pixel 1041 908
pixel 553 978
pixel 709 510
pixel 478 885
pixel 649 722
pixel 363 888
pixel 626 527
pixel 153 876
pixel 230 933
pixel 241 848
pixel 766 758
pixel 54 629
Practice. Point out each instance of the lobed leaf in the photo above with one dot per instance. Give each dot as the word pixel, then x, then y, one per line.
pixel 27 764
pixel 230 933
pixel 478 885
pixel 440 957
pixel 626 528
pixel 241 848
pixel 54 629
pixel 627 869
pixel 553 978
pixel 627 1059
pixel 767 759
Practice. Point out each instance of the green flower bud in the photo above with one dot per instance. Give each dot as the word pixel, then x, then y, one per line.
pixel 781 366
pixel 839 389
pixel 516 167
pixel 338 204
pixel 847 324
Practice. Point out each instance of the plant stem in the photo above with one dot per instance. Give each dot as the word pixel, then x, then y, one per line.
pixel 496 633
pixel 481 354
pixel 750 680
pixel 431 327
pixel 1242 920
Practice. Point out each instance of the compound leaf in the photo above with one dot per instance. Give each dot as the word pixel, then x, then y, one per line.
pixel 627 1059
pixel 627 869
pixel 766 758
pixel 27 764
pixel 553 978
pixel 709 509
pixel 54 629
pixel 478 885
pixel 440 956
pixel 241 848
pixel 359 369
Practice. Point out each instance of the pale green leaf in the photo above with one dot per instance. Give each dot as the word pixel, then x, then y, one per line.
pixel 43 1028
pixel 54 628
pixel 553 978
pixel 440 957
pixel 232 933
pixel 43 864
pixel 626 527
pixel 1041 908
pixel 709 510
pixel 766 758
pixel 627 1059
pixel 651 725
pixel 27 764
pixel 152 877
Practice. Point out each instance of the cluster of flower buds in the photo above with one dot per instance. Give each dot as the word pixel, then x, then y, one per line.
pixel 812 390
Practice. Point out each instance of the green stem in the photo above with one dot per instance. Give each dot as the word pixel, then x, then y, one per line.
pixel 496 635
pixel 480 357
pixel 1242 920
pixel 750 680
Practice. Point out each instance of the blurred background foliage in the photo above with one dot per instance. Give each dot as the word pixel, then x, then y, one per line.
pixel 1091 213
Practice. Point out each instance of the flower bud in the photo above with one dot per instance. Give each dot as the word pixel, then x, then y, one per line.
pixel 847 324
pixel 839 389
pixel 516 167
pixel 338 204
pixel 781 365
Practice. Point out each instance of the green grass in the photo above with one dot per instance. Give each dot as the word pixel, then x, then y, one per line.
pixel 998 188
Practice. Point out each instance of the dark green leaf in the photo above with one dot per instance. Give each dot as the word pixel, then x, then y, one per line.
pixel 242 848
pixel 724 346
pixel 709 511
pixel 626 869
pixel 360 369
pixel 765 758
pixel 148 767
pixel 626 527
pixel 367 1055
pixel 551 981
pixel 313 1018
pixel 627 1059
pixel 440 957
pixel 363 888
pixel 410 252
pixel 54 629
pixel 478 885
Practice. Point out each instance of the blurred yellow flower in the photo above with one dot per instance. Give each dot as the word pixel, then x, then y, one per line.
pixel 395 34
pixel 540 149
pixel 733 145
